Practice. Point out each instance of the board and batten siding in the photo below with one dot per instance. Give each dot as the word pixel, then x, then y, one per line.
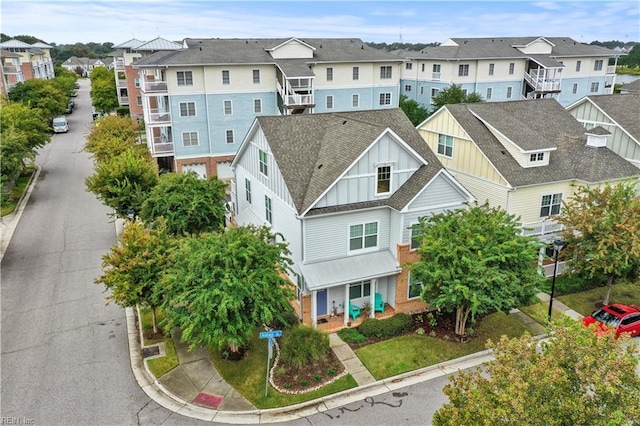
pixel 292 49
pixel 483 190
pixel 327 237
pixel 359 183
pixel 395 228
pixel 526 201
pixel 467 158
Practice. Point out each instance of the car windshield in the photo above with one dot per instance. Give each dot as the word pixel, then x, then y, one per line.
pixel 59 121
pixel 606 318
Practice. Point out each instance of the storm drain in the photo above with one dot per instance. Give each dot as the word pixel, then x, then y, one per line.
pixel 150 351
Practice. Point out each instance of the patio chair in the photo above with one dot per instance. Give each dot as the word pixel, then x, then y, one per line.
pixel 379 303
pixel 354 311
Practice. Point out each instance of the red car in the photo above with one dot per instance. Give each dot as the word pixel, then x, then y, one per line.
pixel 623 318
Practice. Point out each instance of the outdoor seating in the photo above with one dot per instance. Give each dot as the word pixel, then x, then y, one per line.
pixel 354 311
pixel 379 303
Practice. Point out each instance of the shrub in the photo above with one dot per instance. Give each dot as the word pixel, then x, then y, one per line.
pixel 304 345
pixel 371 327
pixel 290 320
pixel 122 111
pixel 351 335
pixel 395 326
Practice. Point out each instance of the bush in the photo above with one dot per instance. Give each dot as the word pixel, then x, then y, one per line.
pixel 395 326
pixel 569 283
pixel 289 320
pixel 351 335
pixel 304 345
pixel 122 111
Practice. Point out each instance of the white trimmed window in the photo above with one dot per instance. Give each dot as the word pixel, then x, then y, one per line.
pixel 422 68
pixel 355 100
pixel 187 109
pixel 597 65
pixel 385 72
pixel 578 66
pixel 359 290
pixel 415 287
pixel 550 205
pixel 257 106
pixel 536 157
pixel 139 100
pixel 225 77
pixel 185 78
pixel 329 74
pixel 407 87
pixel 256 76
pixel 489 93
pixel 263 158
pixel 595 86
pixel 268 213
pixel 509 92
pixel 385 98
pixel 408 66
pixel 190 139
pixel 574 90
pixel 228 108
pixel 512 68
pixel 416 237
pixel 492 68
pixel 229 136
pixel 136 82
pixel 356 73
pixel 445 145
pixel 463 70
pixel 363 236
pixel 247 190
pixel 329 101
pixel 383 180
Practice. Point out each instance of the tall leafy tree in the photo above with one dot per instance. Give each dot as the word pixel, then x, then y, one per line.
pixel 113 136
pixel 123 182
pixel 188 204
pixel 602 231
pixel 473 261
pixel 412 109
pixel 454 95
pixel 42 94
pixel 576 378
pixel 221 286
pixel 134 266
pixel 103 94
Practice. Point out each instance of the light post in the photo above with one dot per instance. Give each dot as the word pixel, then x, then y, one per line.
pixel 557 246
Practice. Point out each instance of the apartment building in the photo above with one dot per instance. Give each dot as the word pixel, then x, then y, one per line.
pixel 510 68
pixel 200 101
pixel 84 65
pixel 11 71
pixel 23 61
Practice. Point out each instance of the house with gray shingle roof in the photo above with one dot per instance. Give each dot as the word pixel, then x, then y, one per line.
pixel 35 59
pixel 199 101
pixel 618 114
pixel 510 68
pixel 633 87
pixel 343 189
pixel 85 65
pixel 527 157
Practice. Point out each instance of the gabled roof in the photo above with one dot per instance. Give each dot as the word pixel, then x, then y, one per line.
pixel 255 51
pixel 634 86
pixel 42 45
pixel 158 43
pixel 280 44
pixel 13 43
pixel 548 124
pixel 313 150
pixel 8 54
pixel 622 109
pixel 134 42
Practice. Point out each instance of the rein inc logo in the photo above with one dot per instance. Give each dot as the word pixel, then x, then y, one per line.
pixel 17 421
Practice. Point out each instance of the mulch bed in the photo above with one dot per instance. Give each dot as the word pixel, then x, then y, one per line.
pixel 309 376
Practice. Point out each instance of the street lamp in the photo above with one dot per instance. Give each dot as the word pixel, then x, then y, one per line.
pixel 557 246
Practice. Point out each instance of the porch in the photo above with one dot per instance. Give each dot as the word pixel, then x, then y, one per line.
pixel 331 324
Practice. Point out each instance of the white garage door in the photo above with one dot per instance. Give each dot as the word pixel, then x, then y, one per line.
pixel 200 169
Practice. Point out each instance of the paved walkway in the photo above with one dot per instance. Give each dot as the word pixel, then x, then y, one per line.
pixel 351 362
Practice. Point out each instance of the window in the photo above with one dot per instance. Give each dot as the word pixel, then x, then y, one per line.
pixel 139 100
pixel 595 86
pixel 360 289
pixel 267 209
pixel 385 72
pixel 256 76
pixel 385 98
pixel 185 78
pixel 257 106
pixel 415 287
pixel 512 68
pixel 356 73
pixel 536 157
pixel 355 100
pixel 463 70
pixel 247 189
pixel 574 90
pixel 578 65
pixel 597 66
pixel 407 87
pixel 436 68
pixel 422 67
pixel 363 236
pixel 550 205
pixel 329 74
pixel 136 82
pixel 408 66
pixel 190 139
pixel 264 160
pixel 489 92
pixel 416 237
pixel 329 101
pixel 229 136
pixel 228 110
pixel 465 92
pixel 509 92
pixel 434 93
pixel 225 77
pixel 445 145
pixel 187 109
pixel 383 180
pixel 492 67
pixel 422 90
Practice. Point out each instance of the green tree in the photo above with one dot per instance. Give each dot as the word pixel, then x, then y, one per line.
pixel 412 109
pixel 221 286
pixel 112 135
pixel 103 93
pixel 474 261
pixel 454 95
pixel 123 182
pixel 42 94
pixel 602 231
pixel 576 378
pixel 135 265
pixel 188 204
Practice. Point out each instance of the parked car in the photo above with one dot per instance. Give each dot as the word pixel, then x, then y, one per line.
pixel 70 106
pixel 77 85
pixel 623 318
pixel 74 94
pixel 60 124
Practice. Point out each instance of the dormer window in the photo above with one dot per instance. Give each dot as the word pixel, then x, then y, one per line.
pixel 383 180
pixel 536 157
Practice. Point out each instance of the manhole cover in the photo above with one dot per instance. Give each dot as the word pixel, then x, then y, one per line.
pixel 151 351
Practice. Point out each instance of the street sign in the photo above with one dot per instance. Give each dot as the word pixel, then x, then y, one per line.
pixel 270 334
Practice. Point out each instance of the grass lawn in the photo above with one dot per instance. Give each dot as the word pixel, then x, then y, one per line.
pixel 9 204
pixel 147 324
pixel 158 366
pixel 248 378
pixel 540 312
pixel 410 352
pixel 588 301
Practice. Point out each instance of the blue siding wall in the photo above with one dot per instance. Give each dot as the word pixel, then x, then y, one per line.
pixel 342 98
pixel 567 97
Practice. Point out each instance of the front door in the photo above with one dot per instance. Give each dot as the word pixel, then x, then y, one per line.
pixel 321 302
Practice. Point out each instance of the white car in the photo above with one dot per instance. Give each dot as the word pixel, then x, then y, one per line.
pixel 60 125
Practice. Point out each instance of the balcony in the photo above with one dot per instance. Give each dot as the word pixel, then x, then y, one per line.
pixel 121 83
pixel 540 228
pixel 611 69
pixel 119 64
pixel 157 116
pixel 123 100
pixel 8 69
pixel 156 86
pixel 292 99
pixel 161 145
pixel 539 81
pixel 435 76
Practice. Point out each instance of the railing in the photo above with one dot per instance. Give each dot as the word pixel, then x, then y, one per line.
pixel 608 90
pixel 122 83
pixel 159 117
pixel 161 145
pixel 10 69
pixel 119 65
pixel 543 227
pixel 435 76
pixel 294 99
pixel 611 69
pixel 123 100
pixel 541 83
pixel 154 86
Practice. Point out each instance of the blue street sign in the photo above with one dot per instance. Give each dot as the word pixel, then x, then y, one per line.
pixel 270 334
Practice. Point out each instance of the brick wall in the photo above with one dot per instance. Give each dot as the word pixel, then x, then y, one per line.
pixel 406 255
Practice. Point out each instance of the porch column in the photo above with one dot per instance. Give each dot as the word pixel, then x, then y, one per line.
pixel 541 254
pixel 314 308
pixel 345 319
pixel 372 298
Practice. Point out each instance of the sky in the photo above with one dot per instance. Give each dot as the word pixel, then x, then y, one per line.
pixel 418 21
